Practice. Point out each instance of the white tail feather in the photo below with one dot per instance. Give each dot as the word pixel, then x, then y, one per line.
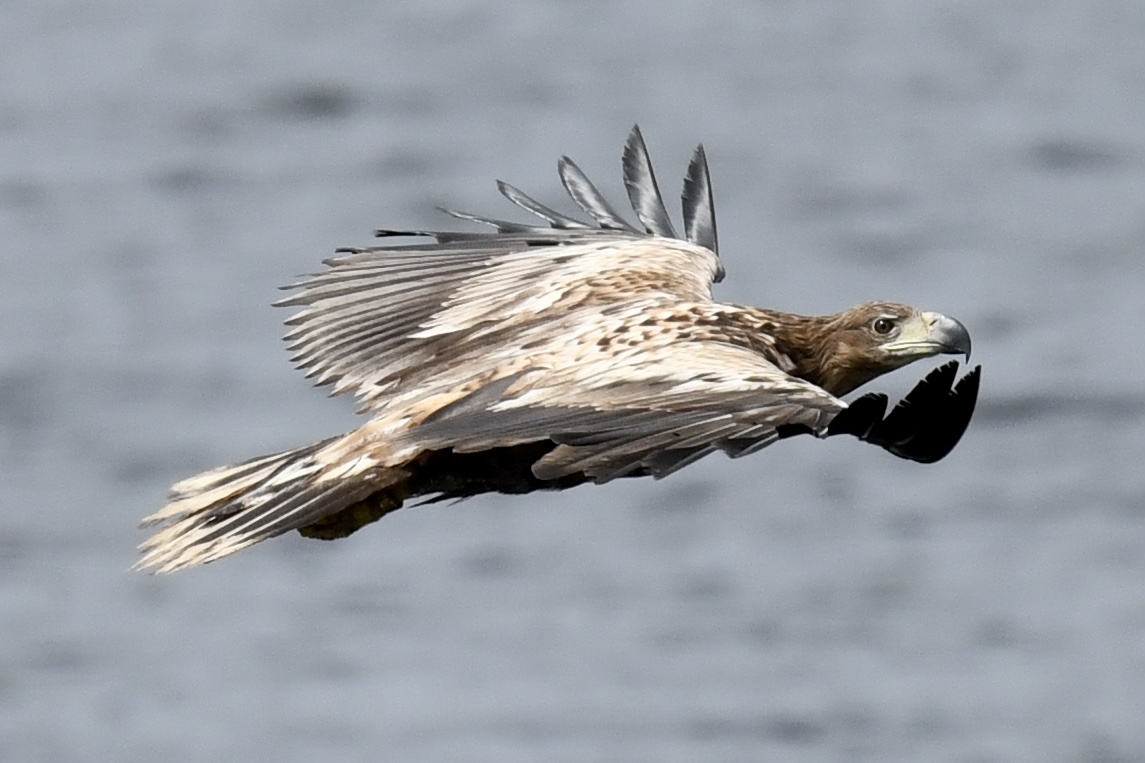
pixel 221 511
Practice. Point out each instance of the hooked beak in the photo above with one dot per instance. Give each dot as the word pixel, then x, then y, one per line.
pixel 931 334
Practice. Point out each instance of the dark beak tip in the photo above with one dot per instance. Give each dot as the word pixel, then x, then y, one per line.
pixel 957 338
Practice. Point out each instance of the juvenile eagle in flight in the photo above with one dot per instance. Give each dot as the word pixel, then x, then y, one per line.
pixel 542 356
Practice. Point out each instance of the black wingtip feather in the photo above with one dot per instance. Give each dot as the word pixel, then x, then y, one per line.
pixel 588 198
pixel 384 233
pixel 922 406
pixel 925 425
pixel 934 442
pixel 699 204
pixel 529 204
pixel 441 236
pixel 643 191
pixel 502 226
pixel 860 416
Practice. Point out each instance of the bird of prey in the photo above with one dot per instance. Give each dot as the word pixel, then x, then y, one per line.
pixel 542 356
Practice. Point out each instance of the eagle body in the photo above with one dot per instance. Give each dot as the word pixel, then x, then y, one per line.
pixel 540 357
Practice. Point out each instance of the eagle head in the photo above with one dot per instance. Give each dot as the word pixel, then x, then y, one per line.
pixel 857 345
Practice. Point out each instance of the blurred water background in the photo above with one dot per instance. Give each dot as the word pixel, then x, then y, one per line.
pixel 165 165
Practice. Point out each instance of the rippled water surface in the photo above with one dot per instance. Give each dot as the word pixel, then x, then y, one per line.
pixel 164 165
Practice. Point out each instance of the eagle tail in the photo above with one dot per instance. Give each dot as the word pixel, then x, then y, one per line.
pixel 219 512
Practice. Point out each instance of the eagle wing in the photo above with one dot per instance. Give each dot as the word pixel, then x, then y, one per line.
pixel 651 411
pixel 380 314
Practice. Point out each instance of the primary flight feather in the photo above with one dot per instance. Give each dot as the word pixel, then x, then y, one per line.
pixel 543 356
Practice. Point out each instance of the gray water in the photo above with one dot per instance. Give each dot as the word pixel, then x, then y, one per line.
pixel 165 165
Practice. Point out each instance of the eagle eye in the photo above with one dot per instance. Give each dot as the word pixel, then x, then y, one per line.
pixel 883 326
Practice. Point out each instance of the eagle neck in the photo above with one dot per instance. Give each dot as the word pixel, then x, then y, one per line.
pixel 798 344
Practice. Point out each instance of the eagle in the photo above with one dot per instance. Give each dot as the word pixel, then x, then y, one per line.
pixel 540 356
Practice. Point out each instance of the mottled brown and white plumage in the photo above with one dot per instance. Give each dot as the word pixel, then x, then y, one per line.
pixel 544 356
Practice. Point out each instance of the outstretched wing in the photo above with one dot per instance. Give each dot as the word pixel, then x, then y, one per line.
pixel 656 415
pixel 648 412
pixel 377 314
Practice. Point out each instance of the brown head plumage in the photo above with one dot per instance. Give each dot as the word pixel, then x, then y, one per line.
pixel 844 351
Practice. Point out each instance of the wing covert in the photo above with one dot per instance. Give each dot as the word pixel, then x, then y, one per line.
pixel 653 411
